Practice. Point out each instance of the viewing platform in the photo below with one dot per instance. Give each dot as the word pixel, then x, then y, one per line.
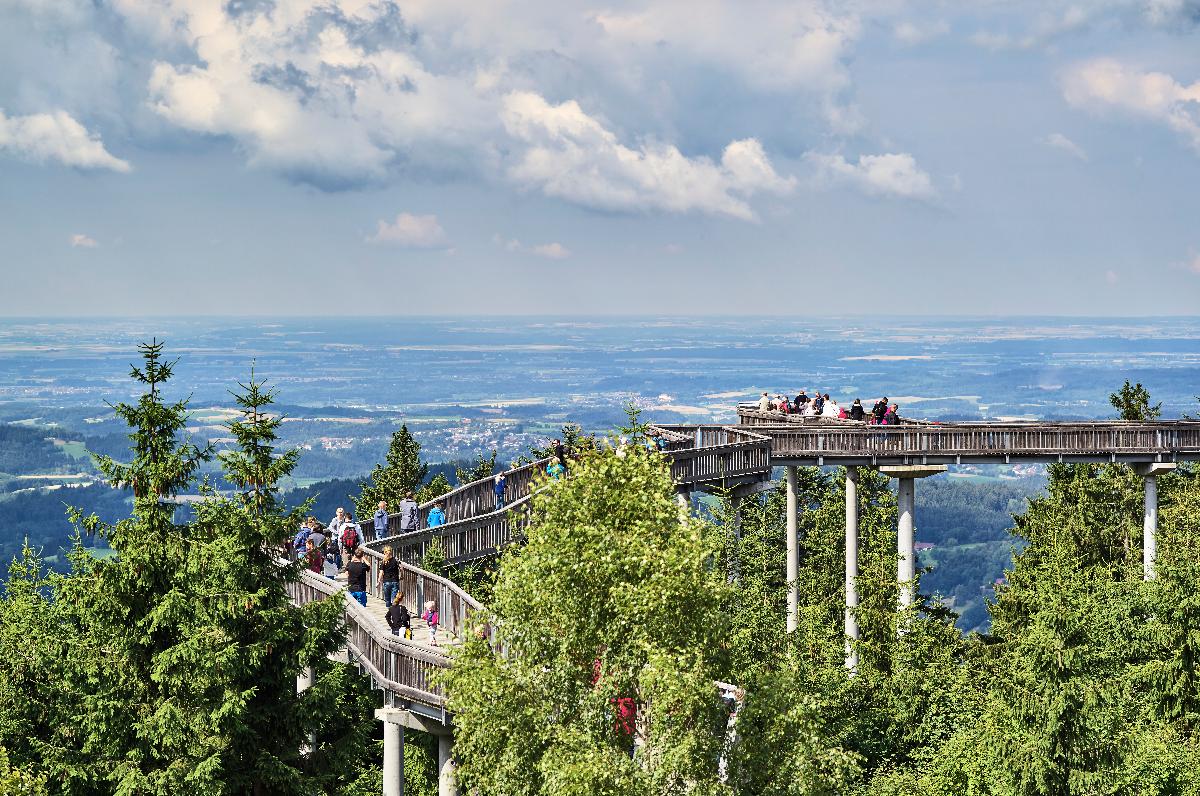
pixel 814 441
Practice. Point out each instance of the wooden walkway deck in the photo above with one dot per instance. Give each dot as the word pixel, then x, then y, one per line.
pixel 700 456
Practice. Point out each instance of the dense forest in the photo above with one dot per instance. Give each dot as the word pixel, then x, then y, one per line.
pixel 598 664
pixel 25 449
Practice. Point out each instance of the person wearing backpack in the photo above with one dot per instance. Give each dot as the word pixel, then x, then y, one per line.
pixel 350 537
pixel 436 516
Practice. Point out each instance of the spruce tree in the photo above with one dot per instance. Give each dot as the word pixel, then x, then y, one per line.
pixel 179 654
pixel 401 472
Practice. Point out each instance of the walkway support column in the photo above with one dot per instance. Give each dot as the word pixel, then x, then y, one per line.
pixel 446 784
pixel 393 751
pixel 304 680
pixel 906 565
pixel 793 563
pixel 1149 474
pixel 851 568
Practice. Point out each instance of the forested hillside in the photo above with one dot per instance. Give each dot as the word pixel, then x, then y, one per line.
pixel 25 449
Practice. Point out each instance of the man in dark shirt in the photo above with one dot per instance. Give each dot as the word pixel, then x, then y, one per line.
pixel 560 451
pixel 356 578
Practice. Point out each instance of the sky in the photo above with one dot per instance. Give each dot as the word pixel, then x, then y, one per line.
pixel 801 158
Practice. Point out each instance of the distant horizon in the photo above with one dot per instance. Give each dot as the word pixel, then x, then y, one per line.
pixel 603 315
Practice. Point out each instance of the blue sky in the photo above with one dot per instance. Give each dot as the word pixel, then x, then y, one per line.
pixel 441 157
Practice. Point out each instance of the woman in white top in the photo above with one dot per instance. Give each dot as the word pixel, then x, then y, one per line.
pixel 810 409
pixel 830 409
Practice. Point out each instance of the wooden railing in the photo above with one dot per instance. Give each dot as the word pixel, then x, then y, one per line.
pixel 397 665
pixel 417 586
pixel 468 501
pixel 999 440
pixel 698 455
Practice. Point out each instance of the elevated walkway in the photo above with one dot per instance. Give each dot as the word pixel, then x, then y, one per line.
pixel 817 442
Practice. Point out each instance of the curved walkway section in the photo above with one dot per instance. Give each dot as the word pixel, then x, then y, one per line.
pixel 700 458
pixel 403 668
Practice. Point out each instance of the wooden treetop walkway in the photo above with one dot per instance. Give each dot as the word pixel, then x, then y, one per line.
pixel 700 457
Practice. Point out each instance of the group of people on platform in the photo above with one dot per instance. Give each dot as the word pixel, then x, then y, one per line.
pixel 822 405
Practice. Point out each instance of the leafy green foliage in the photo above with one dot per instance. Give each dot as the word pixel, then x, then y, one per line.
pixel 613 587
pixel 482 467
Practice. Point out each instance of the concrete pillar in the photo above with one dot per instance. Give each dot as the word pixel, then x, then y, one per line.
pixel 851 568
pixel 905 556
pixel 1150 527
pixel 446 784
pixel 1150 473
pixel 393 758
pixel 906 565
pixel 793 562
pixel 304 679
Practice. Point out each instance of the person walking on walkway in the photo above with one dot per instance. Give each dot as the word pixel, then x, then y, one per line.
pixel 398 617
pixel 410 518
pixel 314 558
pixel 389 576
pixel 350 537
pixel 500 483
pixel 892 417
pixel 880 409
pixel 356 578
pixel 381 520
pixel 431 618
pixel 436 516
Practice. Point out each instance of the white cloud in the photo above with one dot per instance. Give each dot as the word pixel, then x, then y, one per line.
pixel 551 251
pixel 893 174
pixel 411 231
pixel 911 34
pixel 570 155
pixel 46 137
pixel 1062 143
pixel 1193 264
pixel 1106 84
pixel 79 240
pixel 1110 276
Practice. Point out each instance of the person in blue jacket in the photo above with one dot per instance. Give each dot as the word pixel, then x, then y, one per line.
pixel 436 516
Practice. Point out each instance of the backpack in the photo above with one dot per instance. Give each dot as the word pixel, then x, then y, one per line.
pixel 350 537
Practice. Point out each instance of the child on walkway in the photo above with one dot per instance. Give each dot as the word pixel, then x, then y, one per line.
pixel 431 618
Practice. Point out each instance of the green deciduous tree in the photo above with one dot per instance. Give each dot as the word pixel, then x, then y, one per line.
pixel 613 598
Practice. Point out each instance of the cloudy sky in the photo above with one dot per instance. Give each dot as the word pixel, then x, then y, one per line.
pixel 681 156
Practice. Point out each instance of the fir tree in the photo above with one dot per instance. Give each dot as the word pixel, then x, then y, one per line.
pixel 401 472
